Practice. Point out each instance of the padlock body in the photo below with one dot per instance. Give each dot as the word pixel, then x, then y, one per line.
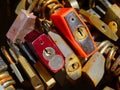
pixel 72 27
pixel 47 51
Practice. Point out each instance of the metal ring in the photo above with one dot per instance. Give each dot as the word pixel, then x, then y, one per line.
pixel 6 84
pixel 5 79
pixel 55 7
pixel 45 5
pixel 110 57
pixel 4 75
pixel 103 43
pixel 105 47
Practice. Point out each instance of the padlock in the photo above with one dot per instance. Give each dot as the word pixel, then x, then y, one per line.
pixel 97 63
pixel 23 24
pixel 72 62
pixel 75 31
pixel 48 80
pixel 100 25
pixel 47 51
pixel 33 77
pixel 112 13
pixel 94 68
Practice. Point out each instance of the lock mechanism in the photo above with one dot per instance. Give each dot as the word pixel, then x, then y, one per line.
pixel 80 33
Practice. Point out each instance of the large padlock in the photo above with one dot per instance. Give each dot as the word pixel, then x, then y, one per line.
pixel 75 31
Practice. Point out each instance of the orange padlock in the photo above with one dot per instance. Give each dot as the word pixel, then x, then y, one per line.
pixel 72 27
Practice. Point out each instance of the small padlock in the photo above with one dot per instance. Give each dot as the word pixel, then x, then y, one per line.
pixel 94 68
pixel 100 25
pixel 47 50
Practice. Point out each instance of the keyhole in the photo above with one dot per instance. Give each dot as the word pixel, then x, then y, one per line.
pixel 48 53
pixel 73 67
pixel 80 31
pixel 103 27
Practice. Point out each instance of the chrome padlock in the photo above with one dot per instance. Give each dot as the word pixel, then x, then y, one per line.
pixel 94 68
pixel 23 24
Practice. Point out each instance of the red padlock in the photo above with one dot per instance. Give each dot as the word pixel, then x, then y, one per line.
pixel 75 31
pixel 46 49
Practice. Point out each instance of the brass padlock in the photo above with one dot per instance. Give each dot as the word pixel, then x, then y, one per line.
pixel 100 25
pixel 112 13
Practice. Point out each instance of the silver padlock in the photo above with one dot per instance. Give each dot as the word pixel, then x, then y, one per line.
pixel 94 68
